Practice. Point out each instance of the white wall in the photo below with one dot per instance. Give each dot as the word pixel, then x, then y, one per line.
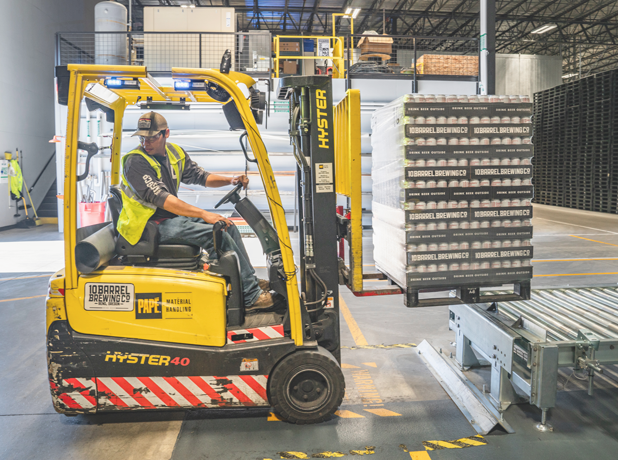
pixel 527 73
pixel 27 34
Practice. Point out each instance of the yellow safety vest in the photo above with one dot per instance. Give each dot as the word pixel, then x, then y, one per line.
pixel 135 211
pixel 16 180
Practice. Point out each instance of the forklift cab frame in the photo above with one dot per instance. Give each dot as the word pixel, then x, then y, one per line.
pixel 105 352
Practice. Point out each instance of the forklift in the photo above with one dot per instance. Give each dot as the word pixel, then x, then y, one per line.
pixel 156 326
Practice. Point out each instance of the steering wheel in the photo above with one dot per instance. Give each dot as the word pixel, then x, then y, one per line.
pixel 230 194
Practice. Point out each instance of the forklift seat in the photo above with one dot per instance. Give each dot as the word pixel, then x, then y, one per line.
pixel 147 251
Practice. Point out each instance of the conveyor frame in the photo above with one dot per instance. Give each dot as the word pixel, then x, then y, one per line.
pixel 527 342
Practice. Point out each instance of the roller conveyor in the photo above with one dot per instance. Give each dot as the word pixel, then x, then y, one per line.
pixel 527 342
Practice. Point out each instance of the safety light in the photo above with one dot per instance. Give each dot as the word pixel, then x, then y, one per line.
pixel 182 85
pixel 117 83
pixel 189 85
pixel 113 83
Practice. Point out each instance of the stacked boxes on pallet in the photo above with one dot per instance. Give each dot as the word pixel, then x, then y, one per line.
pixel 452 190
pixel 441 64
pixel 575 131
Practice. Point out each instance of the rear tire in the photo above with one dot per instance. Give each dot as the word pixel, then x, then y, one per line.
pixel 306 387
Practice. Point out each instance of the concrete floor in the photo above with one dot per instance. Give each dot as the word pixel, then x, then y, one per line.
pixel 572 248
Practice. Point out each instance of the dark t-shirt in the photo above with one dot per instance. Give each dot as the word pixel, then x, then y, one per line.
pixel 142 178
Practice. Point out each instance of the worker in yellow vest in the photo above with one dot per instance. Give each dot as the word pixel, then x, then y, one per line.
pixel 151 177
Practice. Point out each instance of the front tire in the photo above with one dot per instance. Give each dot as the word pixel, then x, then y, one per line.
pixel 306 387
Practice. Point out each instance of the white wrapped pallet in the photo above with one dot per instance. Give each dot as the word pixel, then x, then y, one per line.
pixel 452 191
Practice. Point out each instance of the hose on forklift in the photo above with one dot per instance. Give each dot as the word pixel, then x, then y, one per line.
pixel 315 276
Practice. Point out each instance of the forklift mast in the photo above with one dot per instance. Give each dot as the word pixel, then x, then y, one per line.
pixel 312 137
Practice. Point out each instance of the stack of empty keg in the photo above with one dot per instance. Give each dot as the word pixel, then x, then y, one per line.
pixel 452 190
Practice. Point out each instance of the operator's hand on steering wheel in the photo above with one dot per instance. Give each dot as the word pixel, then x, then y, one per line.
pixel 212 218
pixel 242 179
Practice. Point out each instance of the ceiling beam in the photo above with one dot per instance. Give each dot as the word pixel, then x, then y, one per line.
pixel 316 6
pixel 584 29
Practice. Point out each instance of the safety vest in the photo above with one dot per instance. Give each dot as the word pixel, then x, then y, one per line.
pixel 135 211
pixel 16 180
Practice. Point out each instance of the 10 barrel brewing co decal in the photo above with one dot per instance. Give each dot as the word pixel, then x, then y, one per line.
pixel 109 297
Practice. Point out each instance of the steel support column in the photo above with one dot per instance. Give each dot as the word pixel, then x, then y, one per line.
pixel 488 46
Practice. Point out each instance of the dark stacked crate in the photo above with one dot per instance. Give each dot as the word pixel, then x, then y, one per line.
pixel 574 130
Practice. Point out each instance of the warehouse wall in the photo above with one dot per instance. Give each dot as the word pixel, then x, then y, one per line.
pixel 27 34
pixel 527 73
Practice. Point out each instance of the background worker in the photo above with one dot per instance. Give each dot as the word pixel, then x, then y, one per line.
pixel 151 177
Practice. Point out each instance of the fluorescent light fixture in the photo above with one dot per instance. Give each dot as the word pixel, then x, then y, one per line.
pixel 351 13
pixel 569 75
pixel 183 6
pixel 543 29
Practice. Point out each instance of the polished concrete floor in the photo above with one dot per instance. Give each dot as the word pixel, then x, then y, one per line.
pixel 572 248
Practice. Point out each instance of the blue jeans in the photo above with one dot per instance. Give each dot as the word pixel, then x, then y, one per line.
pixel 193 230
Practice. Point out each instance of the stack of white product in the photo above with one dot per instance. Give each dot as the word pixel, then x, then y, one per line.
pixel 452 190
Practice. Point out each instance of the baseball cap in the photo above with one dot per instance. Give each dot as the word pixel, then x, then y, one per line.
pixel 150 124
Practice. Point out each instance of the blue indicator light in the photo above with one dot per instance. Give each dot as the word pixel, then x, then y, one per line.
pixel 113 83
pixel 181 85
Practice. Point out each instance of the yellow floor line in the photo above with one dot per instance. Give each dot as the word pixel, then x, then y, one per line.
pixel 594 241
pixel 471 441
pixel 420 455
pixel 357 335
pixel 348 366
pixel 383 412
pixel 371 364
pixel 23 298
pixel 273 418
pixel 577 274
pixel 348 414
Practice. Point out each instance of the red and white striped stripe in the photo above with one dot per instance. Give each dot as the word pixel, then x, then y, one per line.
pixel 80 394
pixel 182 392
pixel 259 333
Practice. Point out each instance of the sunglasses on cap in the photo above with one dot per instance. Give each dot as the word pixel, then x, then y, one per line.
pixel 149 139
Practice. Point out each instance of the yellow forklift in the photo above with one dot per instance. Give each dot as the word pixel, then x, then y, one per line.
pixel 158 326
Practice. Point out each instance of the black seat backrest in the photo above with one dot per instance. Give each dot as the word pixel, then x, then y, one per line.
pixel 114 202
pixel 148 243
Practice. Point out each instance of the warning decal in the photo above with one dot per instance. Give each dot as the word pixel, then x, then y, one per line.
pixel 249 364
pixel 109 297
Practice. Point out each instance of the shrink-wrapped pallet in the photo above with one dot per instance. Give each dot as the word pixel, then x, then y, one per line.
pixel 452 190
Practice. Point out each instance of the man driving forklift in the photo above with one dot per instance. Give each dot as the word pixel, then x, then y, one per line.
pixel 151 177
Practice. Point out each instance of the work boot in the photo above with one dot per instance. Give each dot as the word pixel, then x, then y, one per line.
pixel 264 285
pixel 264 301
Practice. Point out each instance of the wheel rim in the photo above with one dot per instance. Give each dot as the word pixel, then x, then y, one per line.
pixel 308 390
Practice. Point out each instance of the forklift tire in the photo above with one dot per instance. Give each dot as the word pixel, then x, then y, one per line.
pixel 306 387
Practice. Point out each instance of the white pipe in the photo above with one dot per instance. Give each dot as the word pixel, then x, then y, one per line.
pixel 99 140
pixel 130 15
pixel 88 137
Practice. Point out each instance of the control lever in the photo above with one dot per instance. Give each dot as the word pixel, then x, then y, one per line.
pixel 217 233
pixel 92 150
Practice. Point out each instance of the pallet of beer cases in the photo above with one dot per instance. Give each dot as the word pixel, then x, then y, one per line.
pixel 452 195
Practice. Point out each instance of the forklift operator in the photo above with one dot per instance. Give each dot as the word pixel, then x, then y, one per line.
pixel 151 177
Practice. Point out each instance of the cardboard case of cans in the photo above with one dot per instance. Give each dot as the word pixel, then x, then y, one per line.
pixel 452 190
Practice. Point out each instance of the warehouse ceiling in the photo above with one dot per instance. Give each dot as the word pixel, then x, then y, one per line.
pixel 584 32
